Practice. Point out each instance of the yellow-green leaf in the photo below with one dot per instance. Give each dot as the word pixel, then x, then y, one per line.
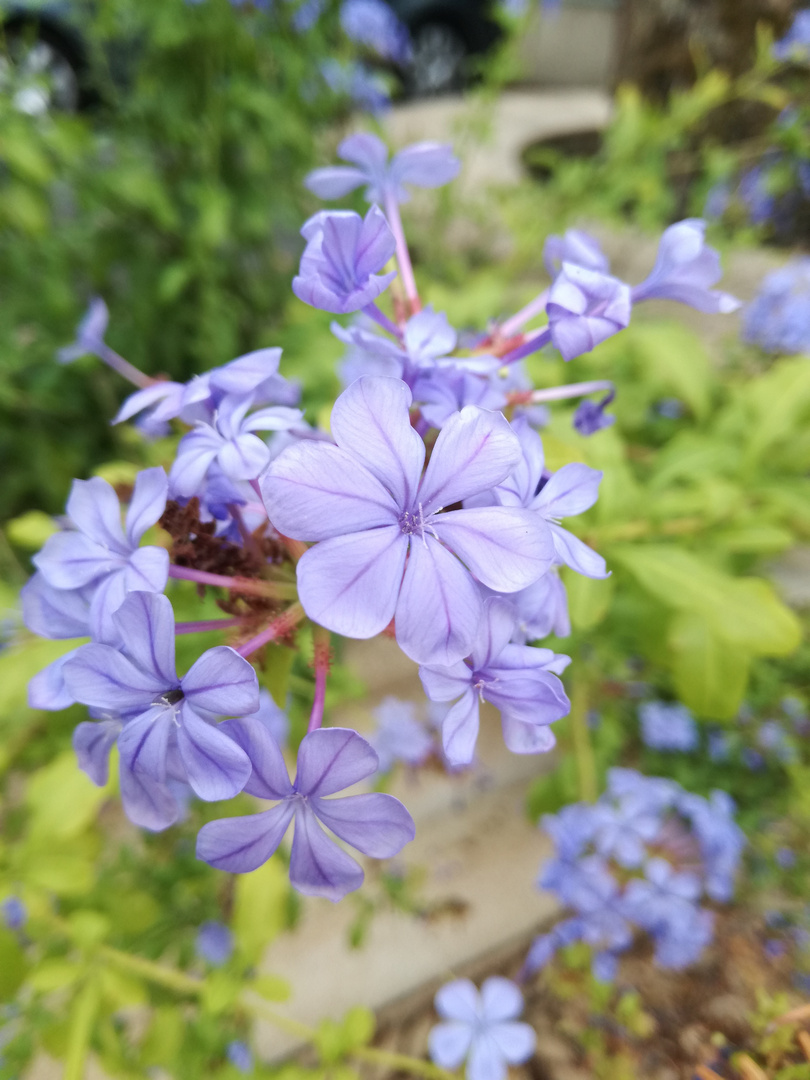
pixel 710 675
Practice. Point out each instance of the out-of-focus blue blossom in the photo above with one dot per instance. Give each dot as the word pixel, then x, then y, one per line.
pixel 14 912
pixel 306 15
pixel 366 90
pixel 773 739
pixel 718 746
pixel 794 708
pixel 786 858
pixel 717 200
pixel 754 191
pixel 752 759
pixel 214 943
pixel 240 1056
pixel 668 726
pixel 373 24
pixel 795 45
pixel 670 408
pixel 399 735
pixel 89 333
pixel 671 848
pixel 590 416
pixel 774 948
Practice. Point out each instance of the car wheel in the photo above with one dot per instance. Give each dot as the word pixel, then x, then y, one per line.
pixel 38 73
pixel 438 60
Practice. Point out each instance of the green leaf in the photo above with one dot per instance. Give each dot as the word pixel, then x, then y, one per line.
pixel 62 800
pixel 710 676
pixel 80 1029
pixel 271 987
pixel 334 1040
pixel 65 873
pixel 54 975
pixel 779 401
pixel 742 611
pixel 588 599
pixel 219 992
pixel 13 964
pixel 260 907
pixel 359 1024
pixel 164 1038
pixel 674 357
pixel 30 530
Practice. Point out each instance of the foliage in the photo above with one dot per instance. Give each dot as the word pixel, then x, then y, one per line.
pixel 178 198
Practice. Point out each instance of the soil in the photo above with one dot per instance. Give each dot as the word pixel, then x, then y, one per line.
pixel 695 1020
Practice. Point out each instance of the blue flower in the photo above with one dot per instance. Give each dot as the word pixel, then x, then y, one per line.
pixel 668 726
pixel 214 943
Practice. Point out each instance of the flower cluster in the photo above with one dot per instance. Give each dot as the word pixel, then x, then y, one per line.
pixel 778 319
pixel 426 512
pixel 643 857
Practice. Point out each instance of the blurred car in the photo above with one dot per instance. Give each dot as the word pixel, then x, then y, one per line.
pixel 446 38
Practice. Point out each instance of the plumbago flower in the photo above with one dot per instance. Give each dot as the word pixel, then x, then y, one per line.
pixel 96 554
pixel 384 550
pixel 329 760
pixel 162 714
pixel 681 848
pixel 520 681
pixel 430 516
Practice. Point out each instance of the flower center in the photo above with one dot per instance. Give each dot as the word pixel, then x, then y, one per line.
pixel 413 523
pixel 171 697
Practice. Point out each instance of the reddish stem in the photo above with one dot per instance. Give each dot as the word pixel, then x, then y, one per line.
pixel 278 628
pixel 223 581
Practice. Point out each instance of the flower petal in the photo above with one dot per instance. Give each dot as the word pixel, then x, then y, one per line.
pixel 494 632
pixel 486 1062
pixel 314 491
pixel 244 457
pixel 571 490
pixel 195 453
pixel 70 560
pixel 100 676
pixel 500 1000
pixel 331 759
pixel 318 867
pixel 458 1000
pixel 449 1044
pixel 439 606
pixel 108 597
pixel 460 730
pixel 147 802
pixel 569 549
pixel 54 613
pixel 147 570
pixel 222 682
pixel 92 743
pixel 144 742
pixel 475 451
pixel 370 420
pixel 242 844
pixel 444 683
pixel 94 509
pixel 376 824
pixel 350 584
pixel 506 548
pixel 217 767
pixel 334 181
pixel 147 503
pixel 516 1041
pixel 145 622
pixel 269 779
pixel 47 689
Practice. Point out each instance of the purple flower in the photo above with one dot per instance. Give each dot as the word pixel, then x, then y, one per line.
pixel 590 416
pixel 778 318
pixel 571 490
pixel 340 266
pixel 718 746
pixel 668 726
pixel 795 45
pixel 329 760
pixel 89 333
pixel 785 858
pixel 366 89
pixel 230 442
pixel 542 609
pixel 372 23
pixel 95 552
pixel 519 680
pixel 575 247
pixel 444 392
pixel 14 912
pixel 240 1056
pixel 424 164
pixel 383 548
pixel 685 270
pixel 214 943
pixel 274 719
pixel 399 735
pixel 584 308
pixel 480 1028
pixel 139 685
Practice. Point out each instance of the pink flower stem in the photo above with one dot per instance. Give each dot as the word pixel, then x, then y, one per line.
pixel 534 307
pixel 321 662
pixel 124 368
pixel 532 343
pixel 382 320
pixel 247 586
pixel 206 624
pixel 277 628
pixel 559 393
pixel 403 255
